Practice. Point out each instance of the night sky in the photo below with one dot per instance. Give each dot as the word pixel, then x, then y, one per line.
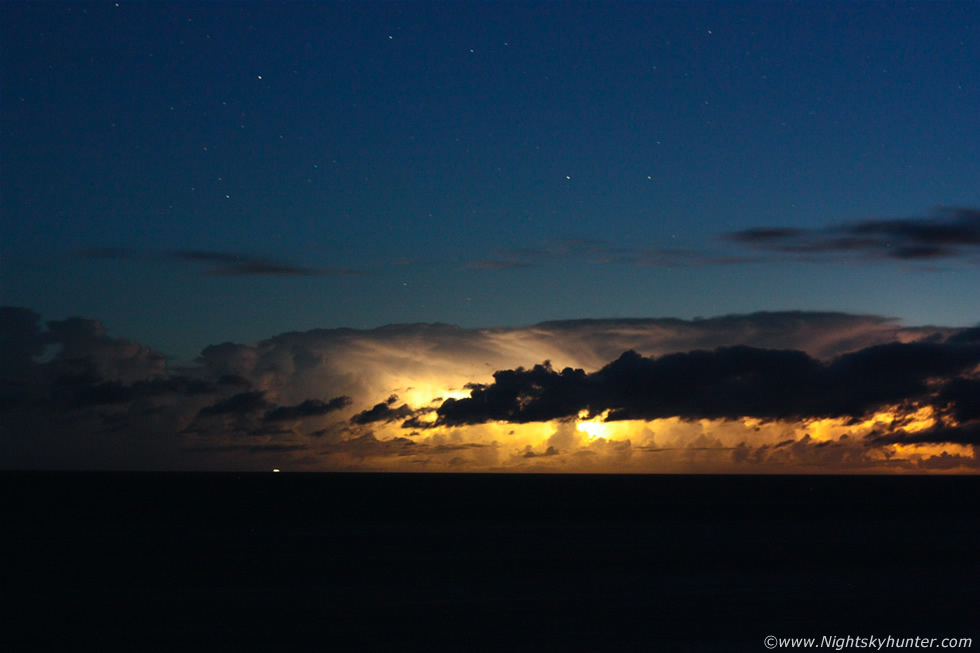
pixel 565 182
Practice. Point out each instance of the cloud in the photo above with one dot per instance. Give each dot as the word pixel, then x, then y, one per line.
pixel 21 340
pixel 236 264
pixel 951 233
pixel 383 412
pixel 715 394
pixel 368 446
pixel 250 448
pixel 961 399
pixel 945 461
pixel 519 396
pixel 725 383
pixel 820 334
pixel 578 250
pixel 215 263
pixel 967 434
pixel 529 453
pixel 807 454
pixel 83 352
pixel 682 258
pixel 597 252
pixel 241 403
pixel 309 408
pixel 114 392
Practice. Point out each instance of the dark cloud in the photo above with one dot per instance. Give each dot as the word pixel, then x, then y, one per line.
pixel 235 380
pixel 961 398
pixel 550 451
pixel 765 235
pixel 368 445
pixel 231 361
pixel 807 452
pixel 725 383
pixel 21 340
pixel 447 448
pixel 114 392
pixel 950 233
pixel 242 403
pixel 249 448
pixel 83 365
pixel 383 412
pixel 968 434
pixel 309 408
pixel 966 336
pixel 235 264
pixel 945 461
pixel 271 430
pixel 72 395
pixel 215 263
pixel 84 347
pixel 537 395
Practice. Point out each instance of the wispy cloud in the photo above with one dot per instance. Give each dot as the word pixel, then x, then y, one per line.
pixel 214 263
pixel 679 257
pixel 589 251
pixel 949 234
pixel 557 251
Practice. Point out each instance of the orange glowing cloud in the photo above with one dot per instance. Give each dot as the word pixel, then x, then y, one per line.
pixel 781 392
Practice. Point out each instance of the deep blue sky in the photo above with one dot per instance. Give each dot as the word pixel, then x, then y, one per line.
pixel 193 173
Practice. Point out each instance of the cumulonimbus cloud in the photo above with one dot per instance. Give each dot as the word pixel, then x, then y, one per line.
pixel 762 392
pixel 730 383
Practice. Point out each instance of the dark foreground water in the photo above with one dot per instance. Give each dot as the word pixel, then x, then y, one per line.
pixel 500 562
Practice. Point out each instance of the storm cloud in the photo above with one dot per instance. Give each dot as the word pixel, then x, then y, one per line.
pixel 725 383
pixel 383 412
pixel 619 394
pixel 309 408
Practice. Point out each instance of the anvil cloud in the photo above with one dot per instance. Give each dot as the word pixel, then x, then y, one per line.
pixel 765 392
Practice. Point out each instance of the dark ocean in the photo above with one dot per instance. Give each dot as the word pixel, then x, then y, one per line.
pixel 489 562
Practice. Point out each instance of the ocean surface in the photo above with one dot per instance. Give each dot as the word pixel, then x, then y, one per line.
pixel 482 562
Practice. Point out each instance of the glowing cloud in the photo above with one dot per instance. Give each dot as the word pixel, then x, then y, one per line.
pixel 768 392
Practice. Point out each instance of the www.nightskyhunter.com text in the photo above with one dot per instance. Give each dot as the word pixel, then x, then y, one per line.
pixel 874 643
